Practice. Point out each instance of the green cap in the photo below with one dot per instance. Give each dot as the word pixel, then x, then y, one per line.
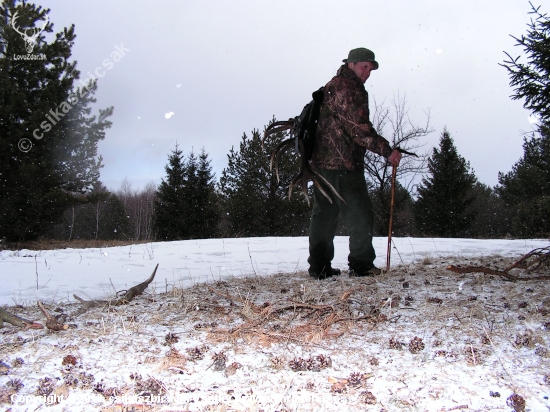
pixel 361 55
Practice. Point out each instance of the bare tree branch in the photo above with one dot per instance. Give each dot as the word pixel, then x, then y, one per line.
pixel 535 260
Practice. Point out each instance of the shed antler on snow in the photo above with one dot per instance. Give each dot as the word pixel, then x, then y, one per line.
pixel 136 290
pixel 51 321
pixel 127 297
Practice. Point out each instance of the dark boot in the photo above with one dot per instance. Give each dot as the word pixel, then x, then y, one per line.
pixel 324 273
pixel 373 271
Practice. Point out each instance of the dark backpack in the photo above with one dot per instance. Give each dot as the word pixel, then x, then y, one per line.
pixel 305 125
pixel 303 128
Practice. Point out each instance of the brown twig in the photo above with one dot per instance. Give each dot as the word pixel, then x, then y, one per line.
pixel 541 257
pixel 489 271
pixel 482 269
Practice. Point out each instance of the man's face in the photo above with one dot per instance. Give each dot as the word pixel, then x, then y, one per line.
pixel 362 69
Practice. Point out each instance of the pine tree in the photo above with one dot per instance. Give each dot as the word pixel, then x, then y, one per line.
pixel 491 214
pixel 169 207
pixel 444 198
pixel 532 79
pixel 48 139
pixel 526 189
pixel 207 205
pixel 187 207
pixel 254 203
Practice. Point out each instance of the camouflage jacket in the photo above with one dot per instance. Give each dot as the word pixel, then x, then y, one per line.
pixel 344 131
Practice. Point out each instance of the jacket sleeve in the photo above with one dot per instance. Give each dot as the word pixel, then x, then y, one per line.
pixel 352 108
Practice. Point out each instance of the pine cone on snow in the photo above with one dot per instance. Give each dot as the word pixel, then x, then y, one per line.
pixel 368 398
pixel 416 345
pixel 395 344
pixel 355 379
pixel 219 361
pixel 517 402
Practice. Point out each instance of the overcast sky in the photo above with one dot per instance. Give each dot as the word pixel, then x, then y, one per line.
pixel 202 73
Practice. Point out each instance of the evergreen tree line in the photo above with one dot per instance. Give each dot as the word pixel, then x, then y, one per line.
pixel 248 200
pixel 49 169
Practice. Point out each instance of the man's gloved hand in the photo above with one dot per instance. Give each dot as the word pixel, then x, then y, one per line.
pixel 395 157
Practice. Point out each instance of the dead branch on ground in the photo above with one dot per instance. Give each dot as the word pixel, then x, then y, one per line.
pixel 5 316
pixel 536 260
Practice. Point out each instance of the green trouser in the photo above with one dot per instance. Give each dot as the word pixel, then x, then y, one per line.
pixel 357 213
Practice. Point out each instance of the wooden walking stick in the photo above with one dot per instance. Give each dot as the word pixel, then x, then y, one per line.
pixel 392 200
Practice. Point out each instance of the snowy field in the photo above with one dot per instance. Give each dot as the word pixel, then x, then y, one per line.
pixel 237 325
pixel 27 276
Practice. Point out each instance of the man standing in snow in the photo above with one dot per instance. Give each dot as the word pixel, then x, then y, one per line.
pixel 344 134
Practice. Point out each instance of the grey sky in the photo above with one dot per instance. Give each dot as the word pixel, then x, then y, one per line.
pixel 226 67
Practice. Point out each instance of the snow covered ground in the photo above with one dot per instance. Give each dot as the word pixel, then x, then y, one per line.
pixel 27 276
pixel 237 325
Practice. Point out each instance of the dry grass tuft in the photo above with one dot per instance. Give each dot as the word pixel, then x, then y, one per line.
pixel 287 308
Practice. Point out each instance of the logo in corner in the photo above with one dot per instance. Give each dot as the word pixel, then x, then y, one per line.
pixel 30 39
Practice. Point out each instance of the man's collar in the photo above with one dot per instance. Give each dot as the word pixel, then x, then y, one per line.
pixel 345 71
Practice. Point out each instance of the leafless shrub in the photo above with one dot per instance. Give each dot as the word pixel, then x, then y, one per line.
pixel 6 395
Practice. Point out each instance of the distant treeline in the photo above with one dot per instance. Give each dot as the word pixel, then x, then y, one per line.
pixel 247 200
